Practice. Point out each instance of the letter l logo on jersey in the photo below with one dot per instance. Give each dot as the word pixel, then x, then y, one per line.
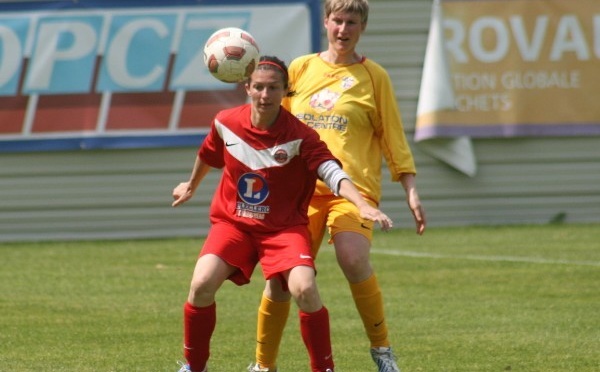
pixel 252 188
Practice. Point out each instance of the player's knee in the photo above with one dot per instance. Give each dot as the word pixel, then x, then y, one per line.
pixel 306 296
pixel 202 292
pixel 355 268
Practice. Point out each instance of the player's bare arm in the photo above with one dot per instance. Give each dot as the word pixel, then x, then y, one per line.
pixel 185 190
pixel 414 203
pixel 338 181
pixel 350 192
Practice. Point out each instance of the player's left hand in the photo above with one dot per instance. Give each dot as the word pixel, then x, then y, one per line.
pixel 417 210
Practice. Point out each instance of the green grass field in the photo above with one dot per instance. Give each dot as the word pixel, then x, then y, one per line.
pixel 521 298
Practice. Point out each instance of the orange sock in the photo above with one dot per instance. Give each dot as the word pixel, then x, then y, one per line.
pixel 369 303
pixel 272 317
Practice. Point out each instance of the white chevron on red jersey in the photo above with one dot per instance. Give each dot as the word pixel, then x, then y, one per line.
pixel 269 175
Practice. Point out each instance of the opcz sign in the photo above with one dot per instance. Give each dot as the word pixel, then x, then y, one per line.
pixel 135 50
pixel 125 72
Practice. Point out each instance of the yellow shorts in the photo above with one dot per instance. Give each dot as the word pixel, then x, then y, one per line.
pixel 337 215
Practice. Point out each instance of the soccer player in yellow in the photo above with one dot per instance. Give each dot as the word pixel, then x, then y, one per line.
pixel 350 101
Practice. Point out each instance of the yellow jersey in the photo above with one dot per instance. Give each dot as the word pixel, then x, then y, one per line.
pixel 353 108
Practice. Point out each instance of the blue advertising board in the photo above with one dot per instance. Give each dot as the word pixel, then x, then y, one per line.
pixel 126 74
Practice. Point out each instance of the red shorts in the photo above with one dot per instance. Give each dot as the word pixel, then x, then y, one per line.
pixel 277 252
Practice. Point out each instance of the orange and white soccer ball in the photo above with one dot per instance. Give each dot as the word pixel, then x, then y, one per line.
pixel 231 54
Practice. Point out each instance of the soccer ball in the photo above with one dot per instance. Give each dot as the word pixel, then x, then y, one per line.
pixel 231 54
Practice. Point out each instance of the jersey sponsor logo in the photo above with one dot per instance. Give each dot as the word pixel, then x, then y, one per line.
pixel 252 188
pixel 242 212
pixel 305 256
pixel 230 144
pixel 324 121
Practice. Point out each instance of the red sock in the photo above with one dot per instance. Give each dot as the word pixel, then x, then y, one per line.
pixel 315 334
pixel 198 326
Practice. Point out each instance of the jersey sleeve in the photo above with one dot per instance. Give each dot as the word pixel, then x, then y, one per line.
pixel 389 127
pixel 211 149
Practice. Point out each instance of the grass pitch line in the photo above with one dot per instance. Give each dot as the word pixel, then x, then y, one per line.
pixel 536 260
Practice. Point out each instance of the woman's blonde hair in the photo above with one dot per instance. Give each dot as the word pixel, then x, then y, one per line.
pixel 348 6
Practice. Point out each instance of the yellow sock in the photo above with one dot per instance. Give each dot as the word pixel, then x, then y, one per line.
pixel 272 317
pixel 369 303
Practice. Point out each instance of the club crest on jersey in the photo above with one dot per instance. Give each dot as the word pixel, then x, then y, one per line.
pixel 280 156
pixel 324 100
pixel 348 82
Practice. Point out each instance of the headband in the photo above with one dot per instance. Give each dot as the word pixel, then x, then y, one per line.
pixel 274 64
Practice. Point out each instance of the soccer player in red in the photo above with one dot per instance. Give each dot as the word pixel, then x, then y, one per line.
pixel 270 163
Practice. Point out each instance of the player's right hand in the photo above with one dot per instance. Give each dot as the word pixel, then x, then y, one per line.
pixel 182 193
pixel 377 216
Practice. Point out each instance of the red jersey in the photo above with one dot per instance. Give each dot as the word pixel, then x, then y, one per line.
pixel 268 175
